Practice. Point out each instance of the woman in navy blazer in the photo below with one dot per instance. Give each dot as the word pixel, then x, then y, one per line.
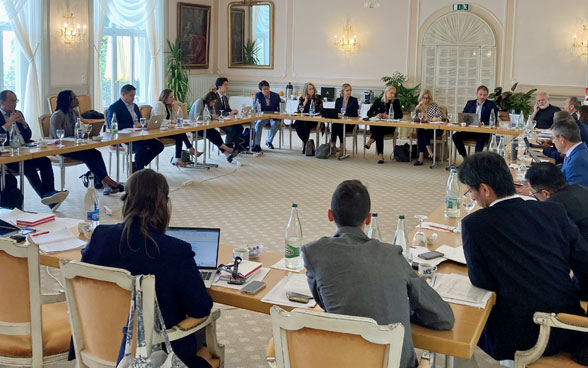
pixel 139 245
pixel 351 106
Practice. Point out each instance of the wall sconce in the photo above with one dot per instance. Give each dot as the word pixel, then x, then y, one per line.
pixel 345 42
pixel 70 34
pixel 580 42
pixel 371 4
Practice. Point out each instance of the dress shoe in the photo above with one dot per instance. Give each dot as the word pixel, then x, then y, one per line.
pixel 270 145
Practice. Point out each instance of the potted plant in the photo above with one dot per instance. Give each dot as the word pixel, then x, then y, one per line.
pixel 511 101
pixel 250 50
pixel 177 76
pixel 408 97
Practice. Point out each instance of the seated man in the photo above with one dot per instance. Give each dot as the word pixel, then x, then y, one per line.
pixel 548 184
pixel 572 105
pixel 523 251
pixel 392 293
pixel 268 101
pixel 10 197
pixel 482 107
pixel 128 115
pixel 549 149
pixel 543 111
pixel 567 140
pixel 12 121
pixel 222 108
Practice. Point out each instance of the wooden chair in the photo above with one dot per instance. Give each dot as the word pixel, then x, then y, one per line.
pixel 58 160
pixel 85 102
pixel 52 100
pixel 308 338
pixel 34 329
pixel 533 358
pixel 99 299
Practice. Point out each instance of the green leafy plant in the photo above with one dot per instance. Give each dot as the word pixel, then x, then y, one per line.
pixel 250 49
pixel 177 76
pixel 512 101
pixel 408 97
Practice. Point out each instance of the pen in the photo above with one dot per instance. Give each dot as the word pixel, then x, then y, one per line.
pixel 42 233
pixel 442 228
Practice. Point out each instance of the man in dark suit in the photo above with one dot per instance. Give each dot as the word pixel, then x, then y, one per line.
pixel 572 105
pixel 567 140
pixel 543 111
pixel 548 184
pixel 221 108
pixel 127 116
pixel 549 149
pixel 483 108
pixel 268 101
pixel 352 274
pixel 12 121
pixel 523 251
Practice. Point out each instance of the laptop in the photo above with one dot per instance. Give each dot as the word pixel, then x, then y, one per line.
pixel 328 93
pixel 330 113
pixel 531 151
pixel 469 118
pixel 155 121
pixel 96 128
pixel 205 244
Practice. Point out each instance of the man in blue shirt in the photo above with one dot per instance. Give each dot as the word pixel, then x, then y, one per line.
pixel 268 101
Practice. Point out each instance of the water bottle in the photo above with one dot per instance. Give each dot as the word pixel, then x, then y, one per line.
pixel 114 126
pixel 452 195
pixel 492 121
pixel 289 91
pixel 514 144
pixel 501 149
pixel 91 205
pixel 78 134
pixel 311 108
pixel 391 112
pixel 493 146
pixel 180 117
pixel 206 115
pixel 374 229
pixel 14 141
pixel 521 122
pixel 258 108
pixel 293 240
pixel 401 239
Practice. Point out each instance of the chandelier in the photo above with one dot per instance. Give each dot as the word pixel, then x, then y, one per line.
pixel 580 41
pixel 70 34
pixel 345 42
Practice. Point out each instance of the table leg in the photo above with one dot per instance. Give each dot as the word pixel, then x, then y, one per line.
pixel 21 169
pixel 434 149
pixel 204 141
pixel 130 158
pixel 117 148
pixel 344 154
pixel 451 151
pixel 449 361
pixel 3 182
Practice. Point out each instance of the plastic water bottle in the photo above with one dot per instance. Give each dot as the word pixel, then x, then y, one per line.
pixel 206 115
pixel 258 108
pixel 179 117
pixel 391 112
pixel 492 121
pixel 14 141
pixel 78 134
pixel 401 239
pixel 493 146
pixel 311 108
pixel 521 122
pixel 91 205
pixel 452 195
pixel 114 125
pixel 293 240
pixel 374 229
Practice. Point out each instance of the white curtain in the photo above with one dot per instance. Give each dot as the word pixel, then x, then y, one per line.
pixel 25 20
pixel 130 14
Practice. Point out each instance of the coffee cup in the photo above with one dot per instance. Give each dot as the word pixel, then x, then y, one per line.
pixel 241 252
pixel 463 124
pixel 427 270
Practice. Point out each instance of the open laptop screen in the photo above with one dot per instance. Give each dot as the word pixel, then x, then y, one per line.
pixel 204 242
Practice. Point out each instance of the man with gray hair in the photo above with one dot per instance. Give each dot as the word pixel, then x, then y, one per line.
pixel 566 137
pixel 544 111
pixel 572 105
pixel 548 148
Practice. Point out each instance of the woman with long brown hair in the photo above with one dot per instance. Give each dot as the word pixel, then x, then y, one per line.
pixel 139 244
pixel 303 128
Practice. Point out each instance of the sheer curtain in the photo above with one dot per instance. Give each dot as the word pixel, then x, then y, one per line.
pixel 130 14
pixel 25 20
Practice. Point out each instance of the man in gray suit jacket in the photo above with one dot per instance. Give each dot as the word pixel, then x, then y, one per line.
pixel 352 274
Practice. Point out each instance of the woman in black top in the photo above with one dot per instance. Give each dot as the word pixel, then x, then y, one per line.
pixel 380 109
pixel 303 128
pixel 351 106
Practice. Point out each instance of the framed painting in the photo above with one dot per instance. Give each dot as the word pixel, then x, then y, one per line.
pixel 194 34
pixel 236 37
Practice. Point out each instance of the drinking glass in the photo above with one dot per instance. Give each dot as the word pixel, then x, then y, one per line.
pixel 420 238
pixel 343 112
pixel 468 201
pixel 412 115
pixel 60 134
pixel 144 123
pixel 87 130
pixel 449 118
pixel 419 115
pixel 3 139
pixel 301 109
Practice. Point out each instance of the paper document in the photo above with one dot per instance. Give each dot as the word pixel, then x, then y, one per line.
pixel 57 241
pixel 458 289
pixel 453 254
pixel 293 282
pixel 258 276
pixel 281 265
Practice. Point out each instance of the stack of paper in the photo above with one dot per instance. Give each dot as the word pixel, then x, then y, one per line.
pixel 57 241
pixel 30 219
pixel 257 276
pixel 453 254
pixel 458 289
pixel 246 268
pixel 293 282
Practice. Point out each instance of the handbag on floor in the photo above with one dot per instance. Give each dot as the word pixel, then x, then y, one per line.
pixel 309 149
pixel 158 357
pixel 323 151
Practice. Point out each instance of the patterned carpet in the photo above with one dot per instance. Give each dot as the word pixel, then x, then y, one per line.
pixel 250 202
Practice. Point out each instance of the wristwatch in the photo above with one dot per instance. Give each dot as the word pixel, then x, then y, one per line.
pixel 427 355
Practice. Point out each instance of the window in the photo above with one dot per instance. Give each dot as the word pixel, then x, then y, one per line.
pixel 9 55
pixel 124 59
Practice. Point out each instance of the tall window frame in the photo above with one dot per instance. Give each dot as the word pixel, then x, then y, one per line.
pixel 9 55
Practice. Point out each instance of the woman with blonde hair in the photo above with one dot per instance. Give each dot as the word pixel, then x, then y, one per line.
pixel 380 110
pixel 350 106
pixel 430 111
pixel 303 128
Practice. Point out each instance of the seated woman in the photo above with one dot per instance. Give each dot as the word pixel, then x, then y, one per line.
pixel 380 109
pixel 139 244
pixel 165 106
pixel 431 111
pixel 350 105
pixel 303 128
pixel 65 117
pixel 213 135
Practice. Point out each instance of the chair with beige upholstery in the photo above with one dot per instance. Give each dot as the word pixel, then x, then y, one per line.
pixel 167 142
pixel 85 102
pixel 308 338
pixel 532 357
pixel 58 160
pixel 34 328
pixel 99 299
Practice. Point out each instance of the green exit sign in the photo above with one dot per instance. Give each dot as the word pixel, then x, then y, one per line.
pixel 461 7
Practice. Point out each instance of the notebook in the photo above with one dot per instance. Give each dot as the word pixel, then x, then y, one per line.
pixel 205 244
